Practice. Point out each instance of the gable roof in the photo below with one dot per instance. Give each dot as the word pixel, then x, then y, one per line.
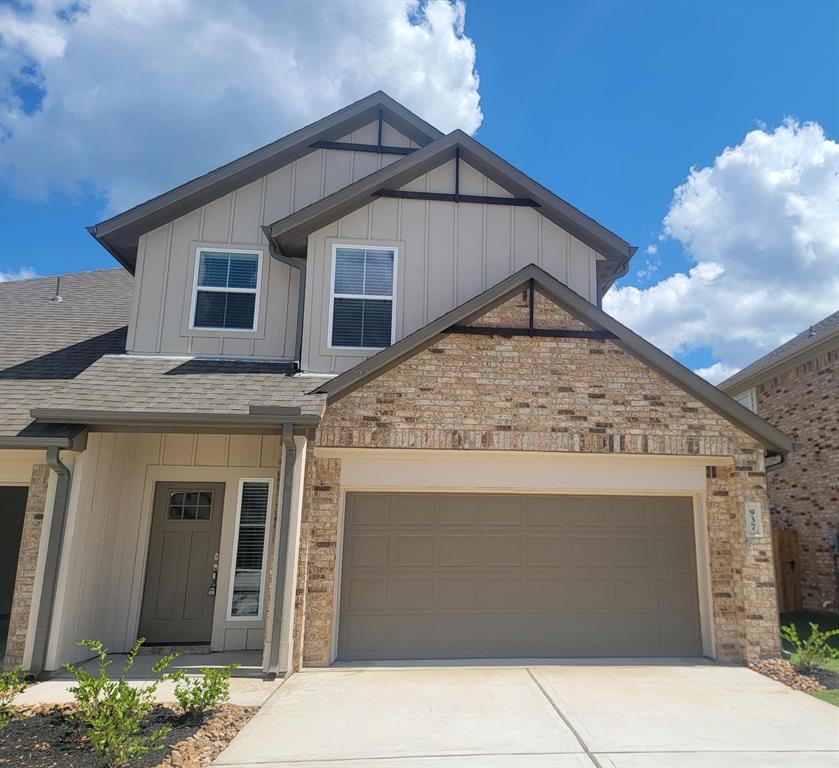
pixel 290 233
pixel 822 332
pixel 773 439
pixel 120 233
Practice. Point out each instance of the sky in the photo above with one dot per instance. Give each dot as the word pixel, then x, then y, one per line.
pixel 703 133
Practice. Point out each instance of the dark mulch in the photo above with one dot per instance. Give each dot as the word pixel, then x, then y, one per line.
pixel 48 737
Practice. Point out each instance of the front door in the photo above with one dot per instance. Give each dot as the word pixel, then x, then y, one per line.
pixel 179 592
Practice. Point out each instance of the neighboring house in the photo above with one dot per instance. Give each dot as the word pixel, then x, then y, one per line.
pixel 796 387
pixel 359 401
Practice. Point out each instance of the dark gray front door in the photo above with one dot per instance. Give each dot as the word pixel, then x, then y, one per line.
pixel 183 548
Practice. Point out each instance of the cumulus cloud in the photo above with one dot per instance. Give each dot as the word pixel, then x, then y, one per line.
pixel 761 226
pixel 133 96
pixel 24 273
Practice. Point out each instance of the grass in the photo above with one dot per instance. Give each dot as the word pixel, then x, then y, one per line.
pixel 802 620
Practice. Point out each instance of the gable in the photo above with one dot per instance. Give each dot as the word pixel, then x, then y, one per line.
pixel 401 129
pixel 604 336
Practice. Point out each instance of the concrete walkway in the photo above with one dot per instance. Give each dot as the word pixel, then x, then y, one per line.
pixel 247 686
pixel 563 715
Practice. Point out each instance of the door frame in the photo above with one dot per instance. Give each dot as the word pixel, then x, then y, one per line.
pixel 230 476
pixel 686 478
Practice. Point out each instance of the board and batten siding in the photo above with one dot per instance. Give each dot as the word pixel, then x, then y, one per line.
pixel 101 577
pixel 448 253
pixel 159 321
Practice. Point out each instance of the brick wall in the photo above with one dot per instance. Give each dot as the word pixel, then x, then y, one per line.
pixel 804 495
pixel 26 565
pixel 543 394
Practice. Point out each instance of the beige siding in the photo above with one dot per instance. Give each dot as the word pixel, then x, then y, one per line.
pixel 166 256
pixel 102 571
pixel 448 253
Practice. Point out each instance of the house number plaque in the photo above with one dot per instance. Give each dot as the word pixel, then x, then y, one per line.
pixel 754 520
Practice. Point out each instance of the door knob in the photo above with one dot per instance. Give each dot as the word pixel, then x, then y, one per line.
pixel 211 592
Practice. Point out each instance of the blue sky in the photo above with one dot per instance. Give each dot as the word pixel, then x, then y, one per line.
pixel 608 104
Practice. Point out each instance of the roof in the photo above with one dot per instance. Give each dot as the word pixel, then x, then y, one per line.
pixel 771 438
pixel 822 332
pixel 120 234
pixel 46 343
pixel 65 363
pixel 133 389
pixel 290 233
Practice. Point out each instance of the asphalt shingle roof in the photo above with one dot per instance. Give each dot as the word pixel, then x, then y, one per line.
pixel 812 334
pixel 71 355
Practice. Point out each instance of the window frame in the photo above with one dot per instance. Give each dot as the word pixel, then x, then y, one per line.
pixel 373 297
pixel 213 289
pixel 262 577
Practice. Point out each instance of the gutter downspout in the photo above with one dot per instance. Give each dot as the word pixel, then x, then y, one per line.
pixel 782 460
pixel 300 266
pixel 55 544
pixel 281 550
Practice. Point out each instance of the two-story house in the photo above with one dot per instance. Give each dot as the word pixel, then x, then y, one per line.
pixel 352 396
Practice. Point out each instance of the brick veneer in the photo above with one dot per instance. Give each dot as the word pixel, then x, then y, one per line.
pixel 804 495
pixel 26 565
pixel 470 392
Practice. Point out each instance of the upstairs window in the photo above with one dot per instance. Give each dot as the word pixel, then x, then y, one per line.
pixel 363 288
pixel 225 295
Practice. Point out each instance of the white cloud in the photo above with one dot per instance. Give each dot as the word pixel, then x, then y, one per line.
pixel 651 250
pixel 717 372
pixel 761 225
pixel 24 273
pixel 142 94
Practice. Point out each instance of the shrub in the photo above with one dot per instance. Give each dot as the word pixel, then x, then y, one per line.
pixel 11 684
pixel 113 710
pixel 813 653
pixel 199 694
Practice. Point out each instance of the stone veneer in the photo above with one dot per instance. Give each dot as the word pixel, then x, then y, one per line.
pixel 803 402
pixel 30 542
pixel 469 392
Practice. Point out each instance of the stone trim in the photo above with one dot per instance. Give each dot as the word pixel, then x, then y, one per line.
pixel 27 565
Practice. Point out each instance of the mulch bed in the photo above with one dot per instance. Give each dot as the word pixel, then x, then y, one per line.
pixel 48 737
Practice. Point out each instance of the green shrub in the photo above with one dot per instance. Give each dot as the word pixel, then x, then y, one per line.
pixel 813 653
pixel 199 694
pixel 11 684
pixel 113 710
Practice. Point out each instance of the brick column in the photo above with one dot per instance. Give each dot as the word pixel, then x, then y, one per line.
pixel 27 563
pixel 742 574
pixel 316 566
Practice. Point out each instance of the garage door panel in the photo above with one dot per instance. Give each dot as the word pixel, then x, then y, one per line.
pixel 516 575
pixel 501 509
pixel 547 550
pixel 369 509
pixel 413 549
pixel 368 549
pixel 502 550
pixel 456 509
pixel 457 550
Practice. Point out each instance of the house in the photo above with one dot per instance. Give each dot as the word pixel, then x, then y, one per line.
pixel 796 387
pixel 352 396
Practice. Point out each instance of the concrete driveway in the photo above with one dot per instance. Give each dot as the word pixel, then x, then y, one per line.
pixel 563 715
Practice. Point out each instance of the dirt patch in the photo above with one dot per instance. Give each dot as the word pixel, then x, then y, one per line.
pixel 782 671
pixel 48 737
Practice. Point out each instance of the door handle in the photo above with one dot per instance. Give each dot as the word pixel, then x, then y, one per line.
pixel 791 564
pixel 211 592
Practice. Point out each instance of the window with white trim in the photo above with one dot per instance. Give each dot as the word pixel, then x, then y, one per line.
pixel 225 294
pixel 363 292
pixel 249 550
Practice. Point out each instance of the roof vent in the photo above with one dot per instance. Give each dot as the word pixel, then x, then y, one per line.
pixel 57 298
pixel 812 332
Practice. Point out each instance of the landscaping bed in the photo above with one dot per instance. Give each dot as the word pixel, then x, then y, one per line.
pixel 49 737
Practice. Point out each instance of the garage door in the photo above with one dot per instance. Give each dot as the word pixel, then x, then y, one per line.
pixel 436 576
